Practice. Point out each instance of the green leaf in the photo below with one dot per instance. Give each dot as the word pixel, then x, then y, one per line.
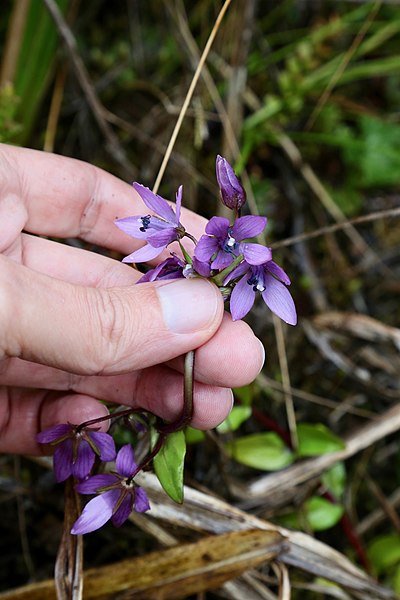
pixel 194 436
pixel 265 451
pixel 322 514
pixel 384 552
pixel 238 415
pixel 335 479
pixel 316 439
pixel 244 394
pixel 169 463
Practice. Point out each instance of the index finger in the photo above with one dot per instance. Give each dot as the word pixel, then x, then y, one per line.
pixel 64 197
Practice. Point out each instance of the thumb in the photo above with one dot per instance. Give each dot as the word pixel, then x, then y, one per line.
pixel 92 331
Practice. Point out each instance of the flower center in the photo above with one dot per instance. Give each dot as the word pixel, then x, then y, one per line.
pixel 145 223
pixel 257 282
pixel 229 244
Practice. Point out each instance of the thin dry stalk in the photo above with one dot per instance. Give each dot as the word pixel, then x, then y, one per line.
pixel 189 94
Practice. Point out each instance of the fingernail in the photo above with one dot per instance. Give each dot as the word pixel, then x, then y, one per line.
pixel 188 305
pixel 262 355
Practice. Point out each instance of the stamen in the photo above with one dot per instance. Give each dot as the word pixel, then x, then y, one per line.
pixel 258 286
pixel 145 223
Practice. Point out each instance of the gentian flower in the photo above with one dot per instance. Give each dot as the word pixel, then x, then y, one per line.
pixel 231 190
pixel 175 268
pixel 158 231
pixel 118 495
pixel 171 268
pixel 76 449
pixel 223 242
pixel 270 280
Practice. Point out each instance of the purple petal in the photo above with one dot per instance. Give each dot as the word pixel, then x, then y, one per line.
pixel 237 272
pixel 141 500
pixel 144 254
pixel 232 192
pixel 218 226
pixel 201 267
pixel 178 198
pixel 104 444
pixel 84 461
pixel 248 227
pixel 156 203
pixel 276 270
pixel 96 512
pixel 125 462
pixel 162 237
pixel 242 299
pixel 54 433
pixel 278 299
pixel 92 484
pixel 131 226
pixel 255 254
pixel 62 460
pixel 222 260
pixel 206 247
pixel 123 511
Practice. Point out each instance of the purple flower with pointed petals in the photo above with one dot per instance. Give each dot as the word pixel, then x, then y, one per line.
pixel 232 192
pixel 158 231
pixel 118 495
pixel 76 449
pixel 270 280
pixel 224 242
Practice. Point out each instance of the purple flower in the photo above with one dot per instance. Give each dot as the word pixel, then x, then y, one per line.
pixel 171 268
pixel 232 192
pixel 224 242
pixel 158 231
pixel 270 280
pixel 118 495
pixel 76 449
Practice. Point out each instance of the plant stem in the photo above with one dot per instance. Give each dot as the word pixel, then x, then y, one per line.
pixel 187 412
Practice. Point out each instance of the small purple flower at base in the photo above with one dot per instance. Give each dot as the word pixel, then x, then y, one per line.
pixel 232 192
pixel 118 495
pixel 158 231
pixel 270 280
pixel 224 242
pixel 76 449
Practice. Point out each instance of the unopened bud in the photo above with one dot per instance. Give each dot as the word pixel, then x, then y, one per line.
pixel 232 192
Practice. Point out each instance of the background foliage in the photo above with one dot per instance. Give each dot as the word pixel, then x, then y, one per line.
pixel 309 91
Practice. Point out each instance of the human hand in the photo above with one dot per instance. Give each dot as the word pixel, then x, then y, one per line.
pixel 75 328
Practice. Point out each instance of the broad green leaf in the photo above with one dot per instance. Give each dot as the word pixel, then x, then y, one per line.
pixel 322 514
pixel 169 463
pixel 194 436
pixel 265 451
pixel 238 415
pixel 335 479
pixel 316 439
pixel 384 551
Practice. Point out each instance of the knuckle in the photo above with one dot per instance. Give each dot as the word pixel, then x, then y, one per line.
pixel 113 327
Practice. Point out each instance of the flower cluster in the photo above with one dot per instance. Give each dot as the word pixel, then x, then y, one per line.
pixel 223 254
pixel 76 447
pixel 240 267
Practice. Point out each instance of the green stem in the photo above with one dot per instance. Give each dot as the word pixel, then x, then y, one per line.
pixel 219 279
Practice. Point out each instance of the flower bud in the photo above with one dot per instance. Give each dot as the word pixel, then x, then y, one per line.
pixel 232 192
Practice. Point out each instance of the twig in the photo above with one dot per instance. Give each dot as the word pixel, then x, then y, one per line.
pixel 380 214
pixel 287 391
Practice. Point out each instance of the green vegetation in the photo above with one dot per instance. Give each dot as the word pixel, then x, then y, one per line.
pixel 311 91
